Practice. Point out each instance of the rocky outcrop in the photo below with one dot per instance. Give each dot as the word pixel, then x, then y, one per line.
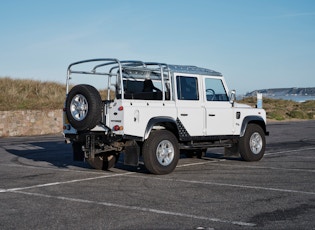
pixel 310 91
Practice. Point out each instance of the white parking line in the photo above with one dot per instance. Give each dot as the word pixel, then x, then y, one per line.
pixel 226 185
pixel 249 187
pixel 63 182
pixel 137 208
pixel 87 171
pixel 268 168
pixel 199 163
pixel 157 211
pixel 289 151
pixel 21 147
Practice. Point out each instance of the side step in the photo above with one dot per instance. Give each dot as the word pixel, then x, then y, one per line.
pixel 202 145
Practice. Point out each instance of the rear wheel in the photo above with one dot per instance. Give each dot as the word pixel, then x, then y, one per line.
pixel 252 145
pixel 160 152
pixel 103 161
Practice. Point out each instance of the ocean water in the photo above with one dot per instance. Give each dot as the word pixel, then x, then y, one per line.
pixel 297 98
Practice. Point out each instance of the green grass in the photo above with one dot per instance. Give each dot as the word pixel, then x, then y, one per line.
pixel 19 94
pixel 280 110
pixel 16 94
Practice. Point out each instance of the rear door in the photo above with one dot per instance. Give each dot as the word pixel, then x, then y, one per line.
pixel 189 103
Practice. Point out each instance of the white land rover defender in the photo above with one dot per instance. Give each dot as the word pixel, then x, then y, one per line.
pixel 154 110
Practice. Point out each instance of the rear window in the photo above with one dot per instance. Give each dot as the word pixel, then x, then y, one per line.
pixel 187 88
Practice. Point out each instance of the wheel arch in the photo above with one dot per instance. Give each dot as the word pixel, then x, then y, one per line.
pixel 168 123
pixel 253 120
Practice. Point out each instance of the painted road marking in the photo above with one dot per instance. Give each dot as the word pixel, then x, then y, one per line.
pixel 289 151
pixel 199 163
pixel 226 185
pixel 137 208
pixel 54 168
pixel 21 147
pixel 157 211
pixel 63 182
pixel 269 168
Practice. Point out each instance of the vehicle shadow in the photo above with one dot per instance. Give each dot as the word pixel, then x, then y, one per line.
pixel 52 153
pixel 55 153
pixel 215 155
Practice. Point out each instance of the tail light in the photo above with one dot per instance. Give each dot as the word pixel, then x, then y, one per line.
pixel 117 128
pixel 66 127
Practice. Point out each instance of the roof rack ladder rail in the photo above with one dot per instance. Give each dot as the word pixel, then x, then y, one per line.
pixel 120 77
pixel 121 82
pixel 171 83
pixel 113 61
pixel 163 84
pixel 109 79
pixel 67 81
pixel 162 66
pixel 69 71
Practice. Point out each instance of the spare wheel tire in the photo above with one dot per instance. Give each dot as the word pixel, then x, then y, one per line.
pixel 84 107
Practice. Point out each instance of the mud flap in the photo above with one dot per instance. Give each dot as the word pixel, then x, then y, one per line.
pixel 131 153
pixel 78 154
pixel 232 151
pixel 90 146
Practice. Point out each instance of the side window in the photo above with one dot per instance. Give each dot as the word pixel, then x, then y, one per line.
pixel 187 88
pixel 215 90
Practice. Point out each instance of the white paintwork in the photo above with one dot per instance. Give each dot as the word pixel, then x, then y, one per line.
pixel 199 117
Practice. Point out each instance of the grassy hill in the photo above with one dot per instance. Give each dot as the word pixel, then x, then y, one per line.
pixel 16 94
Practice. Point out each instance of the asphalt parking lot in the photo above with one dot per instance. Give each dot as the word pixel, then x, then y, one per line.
pixel 42 188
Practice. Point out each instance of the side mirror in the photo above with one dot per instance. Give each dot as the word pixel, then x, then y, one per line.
pixel 232 97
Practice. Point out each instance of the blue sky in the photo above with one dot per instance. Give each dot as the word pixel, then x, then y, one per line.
pixel 255 44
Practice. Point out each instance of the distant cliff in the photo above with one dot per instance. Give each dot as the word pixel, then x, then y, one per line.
pixel 310 91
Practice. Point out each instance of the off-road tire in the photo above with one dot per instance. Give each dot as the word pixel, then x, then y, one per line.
pixel 160 152
pixel 252 145
pixel 84 107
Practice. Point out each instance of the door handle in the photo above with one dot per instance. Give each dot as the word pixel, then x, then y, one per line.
pixel 211 115
pixel 184 114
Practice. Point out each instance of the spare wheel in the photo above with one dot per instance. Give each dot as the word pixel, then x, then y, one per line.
pixel 84 107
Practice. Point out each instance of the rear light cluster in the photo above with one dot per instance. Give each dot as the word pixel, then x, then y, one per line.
pixel 119 127
pixel 66 127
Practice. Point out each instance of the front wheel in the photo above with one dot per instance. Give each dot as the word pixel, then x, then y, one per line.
pixel 252 145
pixel 160 152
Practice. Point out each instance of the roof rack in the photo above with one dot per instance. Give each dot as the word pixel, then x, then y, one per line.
pixel 113 64
pixel 116 64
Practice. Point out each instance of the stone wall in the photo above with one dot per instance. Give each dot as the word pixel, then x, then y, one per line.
pixel 30 122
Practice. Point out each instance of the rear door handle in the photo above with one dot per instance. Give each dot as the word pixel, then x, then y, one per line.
pixel 184 114
pixel 211 115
